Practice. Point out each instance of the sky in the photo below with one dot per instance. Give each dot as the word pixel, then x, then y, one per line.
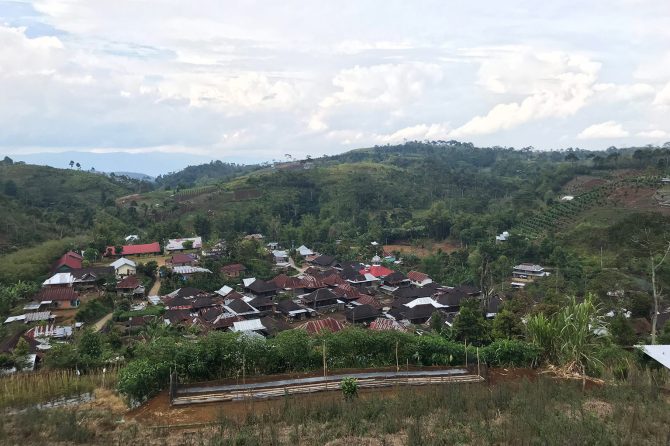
pixel 250 81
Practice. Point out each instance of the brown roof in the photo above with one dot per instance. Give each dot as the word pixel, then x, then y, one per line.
pixel 233 268
pixel 416 276
pixel 128 283
pixel 316 326
pixel 56 293
pixel 383 324
pixel 346 291
pixel 369 300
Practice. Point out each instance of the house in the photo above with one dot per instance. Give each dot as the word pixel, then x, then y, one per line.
pixel 525 273
pixel 280 257
pixel 383 324
pixel 68 261
pixel 187 292
pixel 50 330
pixel 411 292
pixel 292 311
pixel 129 285
pixel 124 267
pixel 217 250
pixel 182 260
pixel 395 280
pixel 416 311
pixel 263 304
pixel 347 292
pixel 304 251
pixel 316 326
pixel 362 314
pixel 503 237
pixel 251 325
pixel 321 300
pixel 58 297
pixel 323 261
pixel 132 238
pixel 59 280
pixel 272 246
pixel 378 271
pixel 91 276
pixel 234 270
pixel 368 300
pixel 419 279
pixel 177 317
pixel 356 279
pixel 273 326
pixel 187 271
pixel 134 250
pixel 240 308
pixel 177 244
pixel 260 287
pixel 179 303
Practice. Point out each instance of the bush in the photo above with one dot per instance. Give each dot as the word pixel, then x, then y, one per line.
pixel 511 353
pixel 94 309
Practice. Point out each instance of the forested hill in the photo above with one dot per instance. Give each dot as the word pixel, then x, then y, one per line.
pixel 41 203
pixel 204 174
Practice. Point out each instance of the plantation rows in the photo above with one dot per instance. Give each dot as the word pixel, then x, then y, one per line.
pixel 564 212
pixel 193 192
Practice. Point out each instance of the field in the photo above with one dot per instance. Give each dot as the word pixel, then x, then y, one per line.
pixel 424 249
pixel 516 407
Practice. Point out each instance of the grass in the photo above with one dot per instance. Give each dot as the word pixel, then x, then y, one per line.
pixel 543 411
pixel 31 389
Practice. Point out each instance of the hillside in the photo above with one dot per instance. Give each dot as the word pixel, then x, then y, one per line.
pixel 43 203
pixel 203 174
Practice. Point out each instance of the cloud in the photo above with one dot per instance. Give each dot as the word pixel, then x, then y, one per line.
pixel 662 98
pixel 604 130
pixel 559 86
pixel 654 134
pixel 387 84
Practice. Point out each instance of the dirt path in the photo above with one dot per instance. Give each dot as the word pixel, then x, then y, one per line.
pixel 154 289
pixel 101 323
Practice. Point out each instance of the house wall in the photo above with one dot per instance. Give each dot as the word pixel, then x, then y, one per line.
pixel 126 270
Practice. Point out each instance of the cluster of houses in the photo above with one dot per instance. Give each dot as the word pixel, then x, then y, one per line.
pixel 327 294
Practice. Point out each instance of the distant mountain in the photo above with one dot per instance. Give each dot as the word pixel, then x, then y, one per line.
pixel 135 176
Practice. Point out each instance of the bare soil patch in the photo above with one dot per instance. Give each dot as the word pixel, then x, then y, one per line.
pixel 423 249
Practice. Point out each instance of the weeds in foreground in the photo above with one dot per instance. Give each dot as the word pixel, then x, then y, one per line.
pixel 542 411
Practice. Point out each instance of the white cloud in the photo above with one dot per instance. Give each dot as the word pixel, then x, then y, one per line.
pixel 604 130
pixel 556 84
pixel 387 84
pixel 663 96
pixel 654 134
pixel 260 79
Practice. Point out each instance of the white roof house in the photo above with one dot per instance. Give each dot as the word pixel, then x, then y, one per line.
pixel 567 197
pixel 248 325
pixel 224 291
pixel 661 353
pixel 122 261
pixel 177 244
pixel 59 279
pixel 305 251
pixel 248 281
pixel 190 270
pixel 502 237
pixel 424 301
pixel 132 238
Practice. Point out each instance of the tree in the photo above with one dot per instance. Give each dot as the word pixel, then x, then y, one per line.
pixel 71 164
pixel 654 244
pixel 507 325
pixel 118 250
pixel 470 324
pixel 78 166
pixel 20 354
pixel 188 244
pixel 349 388
pixel 91 254
pixel 622 331
pixel 10 188
pixel 571 157
pixel 202 226
pixel 436 322
pixel 8 161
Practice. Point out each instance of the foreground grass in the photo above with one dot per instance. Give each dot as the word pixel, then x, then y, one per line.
pixel 544 411
pixel 31 389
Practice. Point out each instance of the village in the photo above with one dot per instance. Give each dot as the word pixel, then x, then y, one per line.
pixel 309 291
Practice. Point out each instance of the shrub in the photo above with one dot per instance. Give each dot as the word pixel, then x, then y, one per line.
pixel 349 388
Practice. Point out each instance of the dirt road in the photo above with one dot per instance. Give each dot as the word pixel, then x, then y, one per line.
pixel 101 323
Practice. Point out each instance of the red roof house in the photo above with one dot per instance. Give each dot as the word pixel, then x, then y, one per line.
pixel 130 250
pixel 378 271
pixel 69 261
pixel 60 297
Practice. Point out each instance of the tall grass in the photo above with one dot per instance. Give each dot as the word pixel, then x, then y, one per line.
pixel 31 389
